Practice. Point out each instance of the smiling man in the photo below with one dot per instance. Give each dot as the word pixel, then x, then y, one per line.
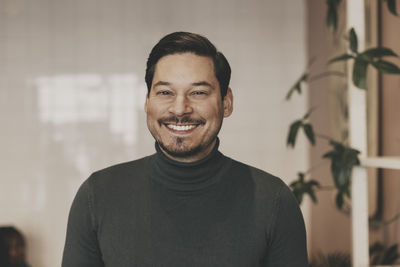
pixel 185 107
pixel 186 205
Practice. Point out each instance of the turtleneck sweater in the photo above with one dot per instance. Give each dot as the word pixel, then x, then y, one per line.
pixel 189 177
pixel 156 211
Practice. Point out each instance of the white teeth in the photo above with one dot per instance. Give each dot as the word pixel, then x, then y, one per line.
pixel 181 127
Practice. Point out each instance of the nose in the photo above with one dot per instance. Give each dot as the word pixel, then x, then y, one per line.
pixel 180 106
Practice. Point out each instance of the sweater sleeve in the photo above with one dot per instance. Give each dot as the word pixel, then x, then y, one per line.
pixel 288 247
pixel 81 245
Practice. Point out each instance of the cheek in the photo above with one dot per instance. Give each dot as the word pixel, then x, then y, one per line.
pixel 151 112
pixel 214 112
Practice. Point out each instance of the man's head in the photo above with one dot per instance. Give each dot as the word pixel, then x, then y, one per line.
pixel 185 104
pixel 12 247
pixel 186 42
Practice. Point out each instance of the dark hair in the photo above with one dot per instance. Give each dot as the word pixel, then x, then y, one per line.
pixel 182 42
pixel 7 234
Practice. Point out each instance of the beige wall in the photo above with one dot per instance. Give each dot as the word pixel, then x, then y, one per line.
pixel 72 94
pixel 330 227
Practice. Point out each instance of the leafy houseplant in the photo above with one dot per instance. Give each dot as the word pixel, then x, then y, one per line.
pixel 342 157
pixel 381 255
pixel 336 259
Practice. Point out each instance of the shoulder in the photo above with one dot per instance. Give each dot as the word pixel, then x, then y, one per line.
pixel 268 190
pixel 263 181
pixel 119 173
pixel 124 167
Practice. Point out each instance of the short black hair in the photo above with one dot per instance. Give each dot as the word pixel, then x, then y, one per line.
pixel 186 42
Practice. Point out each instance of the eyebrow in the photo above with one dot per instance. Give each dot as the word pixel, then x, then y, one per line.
pixel 159 83
pixel 201 83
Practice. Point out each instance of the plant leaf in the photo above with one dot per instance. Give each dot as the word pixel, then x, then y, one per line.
pixel 311 193
pixel 297 86
pixel 294 128
pixel 301 176
pixel 353 40
pixel 379 52
pixel 308 130
pixel 375 248
pixel 386 67
pixel 332 18
pixel 340 58
pixel 382 255
pixel 391 4
pixel 360 73
pixel 391 255
pixel 343 159
pixel 300 188
pixel 339 200
pixel 309 113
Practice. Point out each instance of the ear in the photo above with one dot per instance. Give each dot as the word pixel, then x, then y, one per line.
pixel 145 103
pixel 228 103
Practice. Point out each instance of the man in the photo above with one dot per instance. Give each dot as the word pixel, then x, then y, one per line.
pixel 186 205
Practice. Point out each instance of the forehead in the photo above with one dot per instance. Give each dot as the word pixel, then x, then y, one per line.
pixel 184 65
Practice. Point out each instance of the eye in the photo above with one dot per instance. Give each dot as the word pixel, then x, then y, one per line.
pixel 163 93
pixel 199 93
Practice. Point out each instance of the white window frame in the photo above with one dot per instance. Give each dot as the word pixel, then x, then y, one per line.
pixel 358 140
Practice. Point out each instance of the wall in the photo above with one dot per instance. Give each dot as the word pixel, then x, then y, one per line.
pixel 330 227
pixel 72 94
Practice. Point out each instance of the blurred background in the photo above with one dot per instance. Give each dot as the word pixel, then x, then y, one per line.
pixel 72 95
pixel 72 92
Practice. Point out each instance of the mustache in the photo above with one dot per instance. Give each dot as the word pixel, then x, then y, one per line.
pixel 183 119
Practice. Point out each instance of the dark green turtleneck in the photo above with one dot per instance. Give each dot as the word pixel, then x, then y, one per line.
pixel 189 177
pixel 159 212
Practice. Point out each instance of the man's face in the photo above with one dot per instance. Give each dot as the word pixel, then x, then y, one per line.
pixel 184 107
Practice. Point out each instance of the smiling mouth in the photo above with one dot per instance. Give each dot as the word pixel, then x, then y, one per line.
pixel 182 125
pixel 181 128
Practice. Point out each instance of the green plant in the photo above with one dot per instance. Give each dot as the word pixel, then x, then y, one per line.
pixel 364 59
pixel 335 259
pixel 302 187
pixel 296 126
pixel 391 5
pixel 382 255
pixel 342 157
pixel 332 14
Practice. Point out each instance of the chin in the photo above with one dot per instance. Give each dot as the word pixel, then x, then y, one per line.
pixel 179 149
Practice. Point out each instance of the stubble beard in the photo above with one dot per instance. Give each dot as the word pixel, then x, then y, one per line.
pixel 178 149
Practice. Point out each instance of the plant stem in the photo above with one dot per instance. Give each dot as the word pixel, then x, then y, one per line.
pixel 326 187
pixel 323 137
pixel 325 74
pixel 380 223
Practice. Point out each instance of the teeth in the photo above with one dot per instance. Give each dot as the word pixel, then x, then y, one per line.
pixel 181 127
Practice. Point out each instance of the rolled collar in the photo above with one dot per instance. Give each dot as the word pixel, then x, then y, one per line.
pixel 189 176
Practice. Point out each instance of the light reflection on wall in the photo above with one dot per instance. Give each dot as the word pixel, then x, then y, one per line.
pixel 64 99
pixel 88 114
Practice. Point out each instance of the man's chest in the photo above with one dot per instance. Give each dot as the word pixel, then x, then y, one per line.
pixel 215 229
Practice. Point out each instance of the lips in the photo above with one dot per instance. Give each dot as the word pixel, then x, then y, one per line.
pixel 181 127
